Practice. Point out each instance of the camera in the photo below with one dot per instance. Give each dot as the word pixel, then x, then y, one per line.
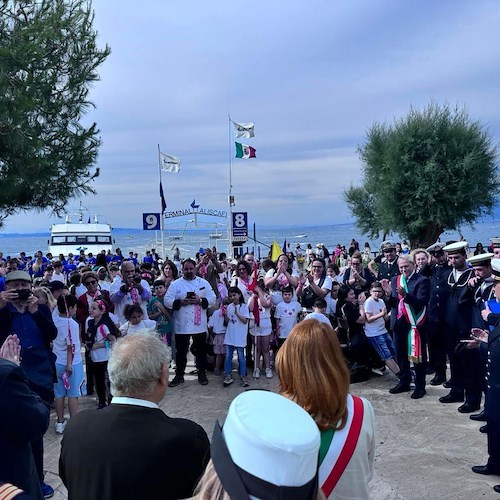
pixel 190 295
pixel 23 294
pixel 137 280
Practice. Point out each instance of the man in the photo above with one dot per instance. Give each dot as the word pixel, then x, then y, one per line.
pixel 464 363
pixel 209 268
pixel 357 277
pixel 24 418
pixel 58 272
pixel 129 289
pixel 12 265
pixel 32 322
pixel 148 258
pixel 439 272
pixel 388 264
pixel 189 297
pixel 131 449
pixel 495 245
pixel 408 297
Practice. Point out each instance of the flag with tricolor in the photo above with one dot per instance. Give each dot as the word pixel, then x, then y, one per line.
pixel 245 130
pixel 244 151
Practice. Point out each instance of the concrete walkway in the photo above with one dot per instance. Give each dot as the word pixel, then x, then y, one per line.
pixel 424 449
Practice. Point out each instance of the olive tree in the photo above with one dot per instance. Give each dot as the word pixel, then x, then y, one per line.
pixel 48 62
pixel 431 171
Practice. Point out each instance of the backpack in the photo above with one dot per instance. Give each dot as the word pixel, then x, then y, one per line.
pixel 308 296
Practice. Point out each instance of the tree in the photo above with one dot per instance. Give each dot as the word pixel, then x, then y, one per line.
pixel 431 171
pixel 48 61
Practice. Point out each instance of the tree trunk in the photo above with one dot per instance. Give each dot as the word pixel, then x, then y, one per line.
pixel 428 235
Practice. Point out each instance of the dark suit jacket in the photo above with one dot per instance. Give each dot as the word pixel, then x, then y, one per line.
pixel 24 417
pixel 129 452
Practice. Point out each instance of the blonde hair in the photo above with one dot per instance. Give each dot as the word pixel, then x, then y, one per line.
pixel 313 373
pixel 47 295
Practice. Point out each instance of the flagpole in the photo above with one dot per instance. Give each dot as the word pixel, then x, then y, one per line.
pixel 230 196
pixel 161 210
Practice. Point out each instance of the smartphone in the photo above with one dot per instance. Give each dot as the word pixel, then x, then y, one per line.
pixel 190 295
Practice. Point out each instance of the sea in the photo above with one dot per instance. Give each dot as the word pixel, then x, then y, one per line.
pixel 190 241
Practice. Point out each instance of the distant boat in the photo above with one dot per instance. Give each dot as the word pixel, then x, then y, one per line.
pixel 301 236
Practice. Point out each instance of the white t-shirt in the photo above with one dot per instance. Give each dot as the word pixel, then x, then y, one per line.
pixel 247 294
pixel 287 316
pixel 101 354
pixel 319 317
pixel 67 328
pixel 145 325
pixel 122 302
pixel 189 319
pixel 236 330
pixel 282 281
pixel 58 277
pixel 216 322
pixel 377 327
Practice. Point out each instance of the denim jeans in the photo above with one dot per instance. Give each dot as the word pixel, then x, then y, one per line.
pixel 241 360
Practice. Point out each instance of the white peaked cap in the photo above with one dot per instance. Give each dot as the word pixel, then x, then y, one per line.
pixel 272 438
pixel 495 266
pixel 457 247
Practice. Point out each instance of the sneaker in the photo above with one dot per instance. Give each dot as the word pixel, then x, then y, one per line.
pixel 100 406
pixel 377 371
pixel 269 373
pixel 228 380
pixel 202 378
pixel 60 426
pixel 47 490
pixel 256 373
pixel 178 379
pixel 244 382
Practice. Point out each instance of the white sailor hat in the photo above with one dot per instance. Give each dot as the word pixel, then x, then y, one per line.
pixel 495 242
pixel 457 247
pixel 436 248
pixel 483 259
pixel 388 245
pixel 268 448
pixel 319 245
pixel 495 269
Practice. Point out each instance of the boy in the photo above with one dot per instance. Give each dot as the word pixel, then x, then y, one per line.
pixel 319 312
pixel 375 330
pixel 286 314
pixel 158 312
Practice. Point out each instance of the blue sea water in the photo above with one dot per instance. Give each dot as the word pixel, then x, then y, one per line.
pixel 189 242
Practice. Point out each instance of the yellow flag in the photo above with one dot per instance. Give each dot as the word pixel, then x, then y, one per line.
pixel 276 251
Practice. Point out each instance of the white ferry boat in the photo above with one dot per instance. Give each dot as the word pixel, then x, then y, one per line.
pixel 72 237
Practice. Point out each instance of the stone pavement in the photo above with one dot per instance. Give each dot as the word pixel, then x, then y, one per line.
pixel 424 449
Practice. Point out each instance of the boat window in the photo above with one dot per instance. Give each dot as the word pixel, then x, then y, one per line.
pixel 70 239
pixel 80 239
pixel 104 239
pixel 58 240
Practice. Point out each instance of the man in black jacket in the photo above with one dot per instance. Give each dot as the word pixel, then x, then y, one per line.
pixel 131 449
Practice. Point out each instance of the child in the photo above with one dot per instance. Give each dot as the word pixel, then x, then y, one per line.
pixel 135 321
pixel 375 330
pixel 236 315
pixel 286 314
pixel 217 326
pixel 331 303
pixel 259 306
pixel 319 310
pixel 158 312
pixel 69 365
pixel 101 335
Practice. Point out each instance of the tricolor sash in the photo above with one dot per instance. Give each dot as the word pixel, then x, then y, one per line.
pixel 415 320
pixel 337 446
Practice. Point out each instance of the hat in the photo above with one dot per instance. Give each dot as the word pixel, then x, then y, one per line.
pixel 495 242
pixel 56 285
pixel 234 262
pixel 318 245
pixel 436 248
pixel 483 259
pixel 260 453
pixel 495 266
pixel 387 245
pixel 456 248
pixel 17 276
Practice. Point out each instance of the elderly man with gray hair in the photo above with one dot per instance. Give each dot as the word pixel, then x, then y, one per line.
pixel 408 296
pixel 131 449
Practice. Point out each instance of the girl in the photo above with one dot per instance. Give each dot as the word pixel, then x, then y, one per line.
pixel 280 278
pixel 260 328
pixel 44 296
pixel 236 315
pixel 135 321
pixel 69 365
pixel 101 335
pixel 217 326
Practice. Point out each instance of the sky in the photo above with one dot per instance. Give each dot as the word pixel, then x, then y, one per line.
pixel 312 75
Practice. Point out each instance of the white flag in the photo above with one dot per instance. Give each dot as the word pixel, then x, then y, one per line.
pixel 170 163
pixel 244 130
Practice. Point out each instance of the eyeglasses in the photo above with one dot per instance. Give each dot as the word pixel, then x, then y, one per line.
pixel 317 267
pixel 93 282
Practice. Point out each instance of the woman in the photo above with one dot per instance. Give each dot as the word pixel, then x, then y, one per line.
pixel 44 296
pixel 244 279
pixel 479 249
pixel 313 285
pixel 322 389
pixel 169 273
pixel 279 278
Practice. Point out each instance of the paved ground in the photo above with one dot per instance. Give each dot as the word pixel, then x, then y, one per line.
pixel 424 450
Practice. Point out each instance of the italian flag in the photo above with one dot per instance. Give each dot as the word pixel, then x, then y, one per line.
pixel 244 151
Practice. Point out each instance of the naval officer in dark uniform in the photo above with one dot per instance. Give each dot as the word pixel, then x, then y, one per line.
pixel 491 314
pixel 388 267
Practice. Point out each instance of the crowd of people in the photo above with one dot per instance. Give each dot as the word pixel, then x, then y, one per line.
pixel 73 322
